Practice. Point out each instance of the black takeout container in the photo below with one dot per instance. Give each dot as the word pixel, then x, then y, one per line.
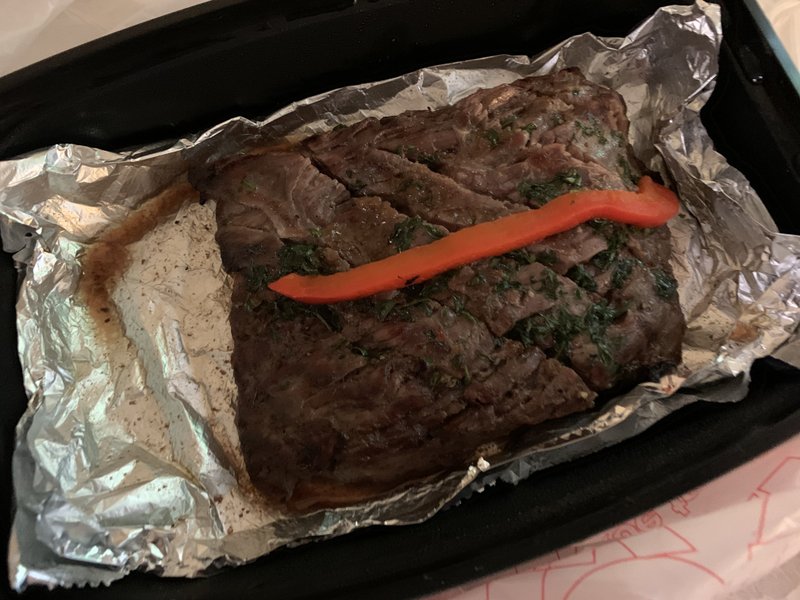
pixel 189 70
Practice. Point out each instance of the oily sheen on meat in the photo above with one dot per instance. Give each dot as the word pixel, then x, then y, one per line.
pixel 342 402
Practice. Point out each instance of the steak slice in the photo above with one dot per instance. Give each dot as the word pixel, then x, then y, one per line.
pixel 269 198
pixel 343 402
pixel 411 187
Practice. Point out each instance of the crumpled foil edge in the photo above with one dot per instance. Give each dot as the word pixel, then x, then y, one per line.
pixel 98 496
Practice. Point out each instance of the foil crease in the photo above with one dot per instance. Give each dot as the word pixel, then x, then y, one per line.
pixel 127 455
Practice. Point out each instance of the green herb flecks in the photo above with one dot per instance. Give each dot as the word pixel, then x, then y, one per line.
pixel 287 309
pixel 384 308
pixel 459 362
pixel 592 129
pixel 626 172
pixel 547 257
pixel 521 256
pixel 434 378
pixel 430 288
pixel 421 296
pixel 258 278
pixel 248 184
pixel 303 259
pixel 622 270
pixel 404 232
pixel 368 353
pixel 556 329
pixel 508 121
pixel 433 160
pixel 459 306
pixel 477 279
pixel 665 284
pixel 492 136
pixel 604 259
pixel 616 236
pixel 530 127
pixel 550 284
pixel 540 193
pixel 582 277
pixel 507 283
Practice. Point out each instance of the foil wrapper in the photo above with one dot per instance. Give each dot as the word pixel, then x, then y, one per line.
pixel 127 456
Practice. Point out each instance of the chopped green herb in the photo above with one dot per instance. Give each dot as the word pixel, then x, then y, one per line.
pixel 582 277
pixel 458 362
pixel 550 284
pixel 286 309
pixel 506 283
pixel 384 309
pixel 403 233
pixel 544 191
pixel 597 319
pixel 547 257
pixel 303 259
pixel 530 127
pixel 593 129
pixel 616 237
pixel 258 278
pixel 431 159
pixel 571 177
pixel 249 184
pixel 508 121
pixel 604 259
pixel 251 303
pixel 502 264
pixel 666 286
pixel 557 328
pixel 522 256
pixel 622 270
pixel 626 171
pixel 477 279
pixel 368 353
pixel 459 307
pixel 432 287
pixel 492 136
pixel 359 350
pixel 315 232
pixel 435 378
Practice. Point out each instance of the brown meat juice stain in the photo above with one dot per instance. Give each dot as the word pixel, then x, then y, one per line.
pixel 108 258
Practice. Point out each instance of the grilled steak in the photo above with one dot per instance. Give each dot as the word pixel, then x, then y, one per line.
pixel 340 402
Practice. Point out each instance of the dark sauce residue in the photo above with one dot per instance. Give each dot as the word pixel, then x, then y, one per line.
pixel 108 257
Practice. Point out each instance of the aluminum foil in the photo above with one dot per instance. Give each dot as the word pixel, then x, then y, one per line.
pixel 127 456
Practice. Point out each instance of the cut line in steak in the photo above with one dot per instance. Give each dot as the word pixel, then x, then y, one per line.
pixel 340 403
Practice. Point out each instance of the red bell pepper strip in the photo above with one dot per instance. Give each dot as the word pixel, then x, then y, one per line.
pixel 650 206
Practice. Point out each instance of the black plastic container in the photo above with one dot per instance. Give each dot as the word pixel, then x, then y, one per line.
pixel 189 70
